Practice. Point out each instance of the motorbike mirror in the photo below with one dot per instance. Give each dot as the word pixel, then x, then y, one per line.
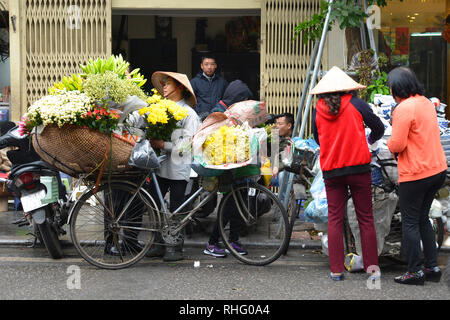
pixel 15 133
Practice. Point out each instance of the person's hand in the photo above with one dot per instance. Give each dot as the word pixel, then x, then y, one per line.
pixel 157 144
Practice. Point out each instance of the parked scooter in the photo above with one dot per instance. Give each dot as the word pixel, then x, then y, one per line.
pixel 40 190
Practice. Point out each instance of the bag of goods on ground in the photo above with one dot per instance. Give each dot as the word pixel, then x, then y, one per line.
pixel 384 205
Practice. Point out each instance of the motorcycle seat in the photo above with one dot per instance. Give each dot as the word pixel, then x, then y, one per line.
pixel 38 164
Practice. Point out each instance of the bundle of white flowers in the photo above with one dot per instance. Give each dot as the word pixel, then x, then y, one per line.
pixel 65 107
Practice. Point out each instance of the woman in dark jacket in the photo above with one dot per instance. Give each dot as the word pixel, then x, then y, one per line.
pixel 235 92
pixel 338 125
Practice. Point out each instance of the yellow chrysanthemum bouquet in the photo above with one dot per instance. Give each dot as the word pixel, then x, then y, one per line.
pixel 162 116
pixel 229 144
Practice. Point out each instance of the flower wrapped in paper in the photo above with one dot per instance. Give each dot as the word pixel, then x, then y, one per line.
pixel 229 147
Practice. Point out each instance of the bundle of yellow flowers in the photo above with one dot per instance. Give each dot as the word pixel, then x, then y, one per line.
pixel 227 145
pixel 162 116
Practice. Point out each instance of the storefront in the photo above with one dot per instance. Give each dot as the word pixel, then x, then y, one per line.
pixel 412 34
pixel 49 39
pixel 177 40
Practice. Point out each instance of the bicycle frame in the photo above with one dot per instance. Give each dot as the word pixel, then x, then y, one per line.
pixel 166 214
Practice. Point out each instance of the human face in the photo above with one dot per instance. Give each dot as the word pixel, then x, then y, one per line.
pixel 170 89
pixel 284 127
pixel 209 66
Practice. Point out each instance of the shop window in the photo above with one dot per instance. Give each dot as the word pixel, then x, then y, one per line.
pixel 412 34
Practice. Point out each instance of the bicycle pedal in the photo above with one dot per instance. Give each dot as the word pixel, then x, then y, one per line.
pixel 21 220
pixel 23 224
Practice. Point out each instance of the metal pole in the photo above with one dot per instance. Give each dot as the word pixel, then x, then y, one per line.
pixel 305 86
pixel 362 32
pixel 371 38
pixel 308 102
pixel 302 101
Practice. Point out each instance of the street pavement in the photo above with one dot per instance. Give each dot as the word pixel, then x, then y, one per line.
pixel 302 274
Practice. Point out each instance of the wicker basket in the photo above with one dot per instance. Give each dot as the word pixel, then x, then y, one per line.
pixel 76 150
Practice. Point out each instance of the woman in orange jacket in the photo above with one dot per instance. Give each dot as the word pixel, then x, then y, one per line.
pixel 422 168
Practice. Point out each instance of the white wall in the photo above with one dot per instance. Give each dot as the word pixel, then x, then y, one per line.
pixel 337 49
pixel 183 29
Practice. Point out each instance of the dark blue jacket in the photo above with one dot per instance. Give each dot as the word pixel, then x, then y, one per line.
pixel 208 93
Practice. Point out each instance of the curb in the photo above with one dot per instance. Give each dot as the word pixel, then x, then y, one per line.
pixel 190 243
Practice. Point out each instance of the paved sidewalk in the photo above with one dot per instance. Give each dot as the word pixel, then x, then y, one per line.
pixel 197 235
pixel 303 236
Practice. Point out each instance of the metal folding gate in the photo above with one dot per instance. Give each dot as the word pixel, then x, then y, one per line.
pixel 58 36
pixel 284 61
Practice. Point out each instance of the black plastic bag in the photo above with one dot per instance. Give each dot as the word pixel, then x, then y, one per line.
pixel 143 156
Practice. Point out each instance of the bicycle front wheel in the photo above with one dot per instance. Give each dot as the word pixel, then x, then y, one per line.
pixel 250 233
pixel 103 239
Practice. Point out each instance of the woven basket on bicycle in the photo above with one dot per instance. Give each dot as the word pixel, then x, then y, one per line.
pixel 77 150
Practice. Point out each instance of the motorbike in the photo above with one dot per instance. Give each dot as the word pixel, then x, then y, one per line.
pixel 39 187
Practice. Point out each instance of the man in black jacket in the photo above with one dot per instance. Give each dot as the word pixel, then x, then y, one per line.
pixel 208 86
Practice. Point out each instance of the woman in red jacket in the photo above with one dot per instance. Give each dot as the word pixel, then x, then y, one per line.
pixel 422 168
pixel 338 126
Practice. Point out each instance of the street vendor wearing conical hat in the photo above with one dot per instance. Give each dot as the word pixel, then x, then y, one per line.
pixel 174 173
pixel 338 126
pixel 182 85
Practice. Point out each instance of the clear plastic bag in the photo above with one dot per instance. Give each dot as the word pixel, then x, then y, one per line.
pixel 317 210
pixel 143 156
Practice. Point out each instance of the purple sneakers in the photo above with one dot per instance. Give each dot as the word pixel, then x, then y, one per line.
pixel 215 251
pixel 238 247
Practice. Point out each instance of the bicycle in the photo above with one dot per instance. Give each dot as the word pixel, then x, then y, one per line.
pixel 130 222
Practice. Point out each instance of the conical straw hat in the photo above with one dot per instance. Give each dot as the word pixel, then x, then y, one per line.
pixel 158 82
pixel 336 80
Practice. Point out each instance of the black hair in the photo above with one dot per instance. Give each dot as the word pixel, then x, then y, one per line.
pixel 289 118
pixel 186 94
pixel 404 83
pixel 333 99
pixel 208 56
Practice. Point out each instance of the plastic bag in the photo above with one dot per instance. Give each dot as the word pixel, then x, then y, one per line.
pixel 384 205
pixel 143 156
pixel 317 210
pixel 257 140
pixel 353 262
pixel 251 111
pixel 305 151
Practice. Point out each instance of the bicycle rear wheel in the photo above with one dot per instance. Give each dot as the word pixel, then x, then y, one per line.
pixel 105 242
pixel 248 229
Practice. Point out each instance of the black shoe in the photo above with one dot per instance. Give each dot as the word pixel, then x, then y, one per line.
pixel 156 251
pixel 414 278
pixel 173 254
pixel 432 274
